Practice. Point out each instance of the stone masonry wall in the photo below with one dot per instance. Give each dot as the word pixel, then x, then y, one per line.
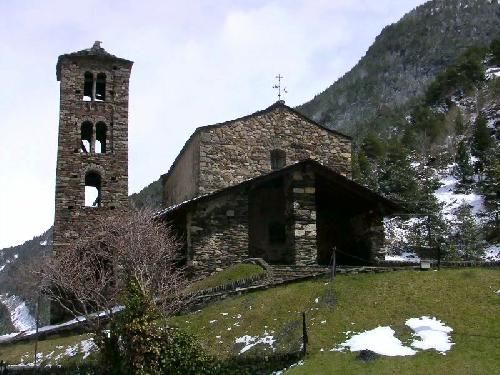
pixel 304 213
pixel 182 183
pixel 71 217
pixel 218 232
pixel 241 150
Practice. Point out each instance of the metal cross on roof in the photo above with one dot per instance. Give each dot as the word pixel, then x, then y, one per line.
pixel 278 86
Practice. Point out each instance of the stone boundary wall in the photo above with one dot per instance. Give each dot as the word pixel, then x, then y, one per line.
pixel 446 264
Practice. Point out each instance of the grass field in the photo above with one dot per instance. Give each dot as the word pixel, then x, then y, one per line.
pixel 465 300
pixel 229 275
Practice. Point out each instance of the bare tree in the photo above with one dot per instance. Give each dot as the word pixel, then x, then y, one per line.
pixel 87 278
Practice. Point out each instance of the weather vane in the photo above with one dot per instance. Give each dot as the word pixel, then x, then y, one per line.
pixel 278 86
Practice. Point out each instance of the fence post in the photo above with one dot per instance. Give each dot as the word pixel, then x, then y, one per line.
pixel 440 245
pixel 305 339
pixel 334 263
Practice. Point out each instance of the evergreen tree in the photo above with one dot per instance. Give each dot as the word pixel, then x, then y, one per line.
pixel 481 138
pixel 495 51
pixel 459 124
pixel 490 187
pixel 367 172
pixel 356 171
pixel 397 179
pixel 464 169
pixel 372 146
pixel 429 123
pixel 468 234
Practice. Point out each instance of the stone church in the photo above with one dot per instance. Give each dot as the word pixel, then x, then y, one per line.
pixel 274 184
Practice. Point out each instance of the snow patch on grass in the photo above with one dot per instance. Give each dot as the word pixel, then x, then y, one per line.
pixel 250 341
pixel 85 348
pixel 431 333
pixel 380 340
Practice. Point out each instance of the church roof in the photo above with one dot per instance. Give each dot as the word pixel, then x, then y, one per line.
pixel 96 51
pixel 356 190
pixel 278 104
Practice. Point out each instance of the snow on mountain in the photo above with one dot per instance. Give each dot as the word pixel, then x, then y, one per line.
pixel 451 199
pixel 20 315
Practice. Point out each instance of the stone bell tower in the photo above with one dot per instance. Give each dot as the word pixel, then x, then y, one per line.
pixel 92 154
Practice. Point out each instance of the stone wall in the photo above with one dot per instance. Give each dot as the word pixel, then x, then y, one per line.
pixel 182 183
pixel 72 218
pixel 218 232
pixel 224 155
pixel 241 150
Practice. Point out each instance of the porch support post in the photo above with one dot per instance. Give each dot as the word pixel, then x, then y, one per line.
pixel 304 214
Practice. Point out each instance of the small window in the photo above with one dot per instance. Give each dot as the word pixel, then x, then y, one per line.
pixel 100 87
pixel 277 233
pixel 278 159
pixel 92 189
pixel 100 138
pixel 86 138
pixel 87 86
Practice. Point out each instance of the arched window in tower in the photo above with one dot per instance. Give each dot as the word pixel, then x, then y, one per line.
pixel 278 159
pixel 86 137
pixel 92 189
pixel 88 86
pixel 100 138
pixel 100 87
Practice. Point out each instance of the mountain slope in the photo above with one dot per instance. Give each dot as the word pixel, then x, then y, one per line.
pixel 403 60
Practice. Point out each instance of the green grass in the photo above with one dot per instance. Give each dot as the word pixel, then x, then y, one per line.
pixel 23 352
pixel 463 299
pixel 229 275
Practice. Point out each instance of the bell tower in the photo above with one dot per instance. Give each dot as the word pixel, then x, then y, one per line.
pixel 92 154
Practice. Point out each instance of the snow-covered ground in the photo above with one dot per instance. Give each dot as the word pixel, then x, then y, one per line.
pixel 398 231
pixel 492 253
pixel 429 333
pixel 20 315
pixel 492 73
pixel 250 341
pixel 405 256
pixel 86 347
pixel 380 340
pixel 452 200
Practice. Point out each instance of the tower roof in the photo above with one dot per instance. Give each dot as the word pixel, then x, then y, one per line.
pixel 96 51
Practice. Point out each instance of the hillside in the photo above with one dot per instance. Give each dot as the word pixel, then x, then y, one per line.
pixel 265 323
pixel 403 60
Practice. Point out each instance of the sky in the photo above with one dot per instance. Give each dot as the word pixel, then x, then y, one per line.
pixel 196 63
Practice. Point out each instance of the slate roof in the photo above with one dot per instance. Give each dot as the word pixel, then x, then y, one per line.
pixel 96 51
pixel 279 103
pixel 356 189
